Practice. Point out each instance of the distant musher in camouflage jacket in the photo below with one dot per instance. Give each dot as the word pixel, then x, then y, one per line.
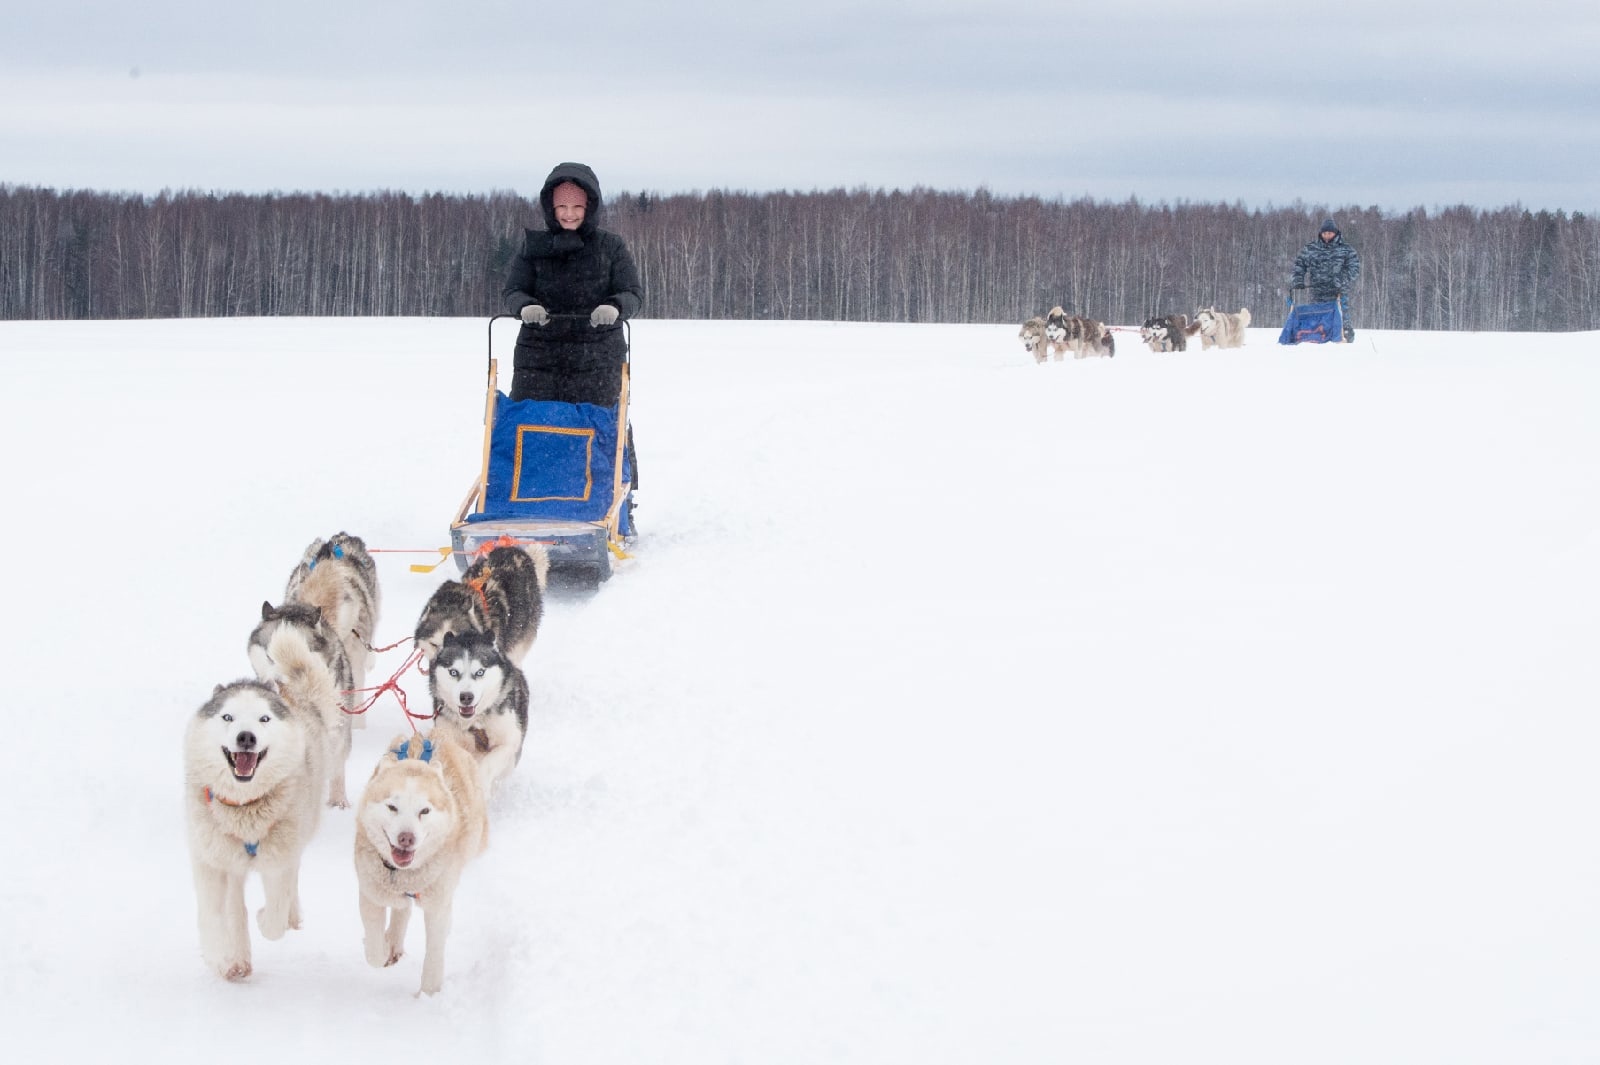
pixel 1329 267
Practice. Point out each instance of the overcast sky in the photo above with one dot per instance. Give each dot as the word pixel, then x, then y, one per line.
pixel 1394 103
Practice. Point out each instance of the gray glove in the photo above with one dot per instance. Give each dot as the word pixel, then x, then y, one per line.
pixel 605 314
pixel 534 314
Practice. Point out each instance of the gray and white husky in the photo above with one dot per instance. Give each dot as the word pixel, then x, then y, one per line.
pixel 502 594
pixel 303 628
pixel 255 765
pixel 481 694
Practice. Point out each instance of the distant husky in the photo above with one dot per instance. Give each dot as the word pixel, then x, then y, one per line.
pixel 1033 341
pixel 303 625
pixel 1168 332
pixel 255 764
pixel 423 816
pixel 1220 329
pixel 479 693
pixel 502 594
pixel 338 575
pixel 1082 336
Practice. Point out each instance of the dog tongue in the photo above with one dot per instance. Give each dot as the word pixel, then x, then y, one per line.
pixel 401 858
pixel 244 763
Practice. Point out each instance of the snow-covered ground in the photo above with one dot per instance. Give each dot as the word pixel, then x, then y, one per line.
pixel 1233 707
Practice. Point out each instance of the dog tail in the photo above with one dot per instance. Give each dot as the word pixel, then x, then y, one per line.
pixel 541 564
pixel 1244 316
pixel 301 676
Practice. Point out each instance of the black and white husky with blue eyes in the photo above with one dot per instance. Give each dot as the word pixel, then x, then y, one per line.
pixel 481 694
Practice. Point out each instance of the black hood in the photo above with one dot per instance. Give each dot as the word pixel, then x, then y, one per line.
pixel 1327 224
pixel 584 178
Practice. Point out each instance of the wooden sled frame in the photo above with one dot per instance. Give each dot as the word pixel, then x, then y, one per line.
pixel 570 542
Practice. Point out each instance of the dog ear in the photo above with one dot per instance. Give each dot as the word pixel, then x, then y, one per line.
pixel 266 610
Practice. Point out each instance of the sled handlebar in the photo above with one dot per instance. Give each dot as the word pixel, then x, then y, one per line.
pixel 627 330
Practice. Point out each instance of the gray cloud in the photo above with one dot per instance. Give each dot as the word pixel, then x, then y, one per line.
pixel 1428 104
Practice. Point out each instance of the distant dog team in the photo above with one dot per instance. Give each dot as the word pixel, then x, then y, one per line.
pixel 1051 336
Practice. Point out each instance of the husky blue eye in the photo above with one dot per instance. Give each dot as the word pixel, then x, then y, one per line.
pixel 227 717
pixel 479 675
pixel 265 719
pixel 455 674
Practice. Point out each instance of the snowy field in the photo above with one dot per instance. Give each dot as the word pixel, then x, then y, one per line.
pixel 1233 707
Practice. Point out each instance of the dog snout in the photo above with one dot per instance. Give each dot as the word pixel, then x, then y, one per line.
pixel 245 741
pixel 467 698
pixel 406 841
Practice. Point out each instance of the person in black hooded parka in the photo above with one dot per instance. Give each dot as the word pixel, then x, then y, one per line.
pixel 571 267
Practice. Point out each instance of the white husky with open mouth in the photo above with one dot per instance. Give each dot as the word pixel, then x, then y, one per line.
pixel 255 764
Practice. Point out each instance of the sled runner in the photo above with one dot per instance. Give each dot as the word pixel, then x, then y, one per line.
pixel 557 474
pixel 1313 323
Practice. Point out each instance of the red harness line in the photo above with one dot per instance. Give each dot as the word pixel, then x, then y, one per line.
pixel 392 685
pixel 415 658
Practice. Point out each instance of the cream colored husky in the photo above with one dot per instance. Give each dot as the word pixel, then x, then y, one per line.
pixel 1220 329
pixel 421 819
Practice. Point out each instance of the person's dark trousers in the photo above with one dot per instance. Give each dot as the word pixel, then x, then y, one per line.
pixel 1344 308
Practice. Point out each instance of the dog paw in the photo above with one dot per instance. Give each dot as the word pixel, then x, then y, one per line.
pixel 233 972
pixel 338 802
pixel 272 926
pixel 382 955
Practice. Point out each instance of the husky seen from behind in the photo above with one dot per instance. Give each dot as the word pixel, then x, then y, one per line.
pixel 255 765
pixel 502 594
pixel 422 817
pixel 338 576
pixel 480 694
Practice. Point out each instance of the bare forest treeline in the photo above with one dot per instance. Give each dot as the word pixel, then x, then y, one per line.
pixel 841 255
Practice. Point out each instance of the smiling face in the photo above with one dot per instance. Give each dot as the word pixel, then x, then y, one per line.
pixel 243 741
pixel 571 204
pixel 406 813
pixel 467 675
